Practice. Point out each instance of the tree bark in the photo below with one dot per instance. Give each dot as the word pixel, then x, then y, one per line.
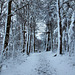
pixel 59 28
pixel 24 38
pixel 30 40
pixel 67 35
pixel 8 25
pixel 51 40
pixel 34 39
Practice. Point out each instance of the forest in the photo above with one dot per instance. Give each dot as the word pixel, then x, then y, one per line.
pixel 38 28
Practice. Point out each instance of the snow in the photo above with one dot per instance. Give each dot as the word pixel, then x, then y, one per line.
pixel 44 63
pixel 56 30
pixel 64 65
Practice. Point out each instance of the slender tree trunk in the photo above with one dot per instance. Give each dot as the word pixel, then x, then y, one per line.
pixel 8 25
pixel 30 40
pixel 67 35
pixel 59 28
pixel 47 43
pixel 27 43
pixel 47 39
pixel 34 32
pixel 28 29
pixel 51 39
pixel 34 39
pixel 24 37
pixel 60 38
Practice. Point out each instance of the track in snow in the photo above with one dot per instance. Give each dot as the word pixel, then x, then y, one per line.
pixel 36 64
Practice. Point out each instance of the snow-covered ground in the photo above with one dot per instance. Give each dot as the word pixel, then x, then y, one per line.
pixel 40 64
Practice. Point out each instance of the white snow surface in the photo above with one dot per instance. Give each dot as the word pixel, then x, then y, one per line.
pixel 43 63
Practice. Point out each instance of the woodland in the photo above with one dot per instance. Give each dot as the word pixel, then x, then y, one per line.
pixel 35 26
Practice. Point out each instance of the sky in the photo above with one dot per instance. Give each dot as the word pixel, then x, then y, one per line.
pixel 41 28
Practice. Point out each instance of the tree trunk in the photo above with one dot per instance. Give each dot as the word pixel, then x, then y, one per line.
pixel 30 40
pixel 67 35
pixel 27 43
pixel 59 28
pixel 8 25
pixel 47 43
pixel 28 29
pixel 24 37
pixel 51 39
pixel 34 39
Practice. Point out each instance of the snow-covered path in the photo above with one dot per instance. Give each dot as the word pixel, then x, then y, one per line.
pixel 43 63
pixel 44 67
pixel 36 64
